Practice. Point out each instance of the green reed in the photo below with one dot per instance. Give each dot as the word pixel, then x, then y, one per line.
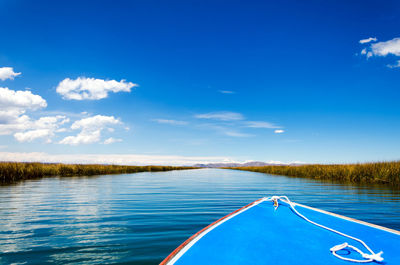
pixel 12 171
pixel 380 172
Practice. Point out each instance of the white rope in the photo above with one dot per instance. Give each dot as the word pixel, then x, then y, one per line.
pixel 367 257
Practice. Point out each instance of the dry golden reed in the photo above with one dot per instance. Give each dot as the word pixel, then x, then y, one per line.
pixel 11 171
pixel 380 172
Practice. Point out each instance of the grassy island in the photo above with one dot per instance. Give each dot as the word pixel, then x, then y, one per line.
pixel 380 172
pixel 12 171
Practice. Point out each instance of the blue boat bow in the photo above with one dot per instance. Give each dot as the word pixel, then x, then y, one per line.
pixel 277 231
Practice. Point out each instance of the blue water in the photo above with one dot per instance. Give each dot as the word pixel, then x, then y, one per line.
pixel 140 218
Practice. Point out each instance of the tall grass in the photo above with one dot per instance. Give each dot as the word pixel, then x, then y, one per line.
pixel 381 172
pixel 11 171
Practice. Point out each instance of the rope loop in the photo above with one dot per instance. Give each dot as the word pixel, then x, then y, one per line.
pixel 367 257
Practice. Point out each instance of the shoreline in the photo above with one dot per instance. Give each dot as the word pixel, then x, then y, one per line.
pixel 11 172
pixel 387 173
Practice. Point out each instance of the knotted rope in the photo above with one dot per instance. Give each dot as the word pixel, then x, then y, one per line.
pixel 367 257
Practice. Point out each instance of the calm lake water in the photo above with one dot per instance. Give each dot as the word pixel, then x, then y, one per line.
pixel 140 218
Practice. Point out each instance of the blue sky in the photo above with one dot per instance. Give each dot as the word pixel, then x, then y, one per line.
pixel 179 82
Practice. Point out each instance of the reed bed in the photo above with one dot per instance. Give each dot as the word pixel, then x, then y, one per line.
pixel 380 172
pixel 12 171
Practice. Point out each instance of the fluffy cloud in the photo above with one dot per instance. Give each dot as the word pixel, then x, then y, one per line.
pixel 20 100
pixel 13 105
pixel 15 121
pixel 383 48
pixel 172 122
pixel 11 122
pixel 367 40
pixel 95 122
pixel 91 88
pixel 7 73
pixel 279 131
pixel 261 124
pixel 31 135
pixel 91 129
pixel 222 116
pixel 44 128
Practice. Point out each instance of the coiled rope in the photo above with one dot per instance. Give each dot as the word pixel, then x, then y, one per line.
pixel 367 257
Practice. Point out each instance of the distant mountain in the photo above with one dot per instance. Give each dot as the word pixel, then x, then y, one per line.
pixel 247 164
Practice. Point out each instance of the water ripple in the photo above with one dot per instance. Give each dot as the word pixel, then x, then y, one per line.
pixel 140 218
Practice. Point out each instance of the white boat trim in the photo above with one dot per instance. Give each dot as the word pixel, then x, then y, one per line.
pixel 350 219
pixel 198 237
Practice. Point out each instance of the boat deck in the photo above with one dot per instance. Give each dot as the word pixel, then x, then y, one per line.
pixel 259 234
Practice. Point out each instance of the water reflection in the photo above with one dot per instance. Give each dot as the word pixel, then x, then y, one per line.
pixel 140 218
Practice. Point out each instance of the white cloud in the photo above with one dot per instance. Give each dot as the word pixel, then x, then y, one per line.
pixel 20 100
pixel 7 73
pixel 82 138
pixel 12 122
pixel 44 128
pixel 222 116
pixel 383 48
pixel 279 131
pixel 172 122
pixel 95 122
pixel 397 64
pixel 91 88
pixel 13 105
pixel 261 124
pixel 367 40
pixel 31 135
pixel 386 47
pixel 226 91
pixel 112 140
pixel 8 117
pixel 91 129
pixel 117 159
